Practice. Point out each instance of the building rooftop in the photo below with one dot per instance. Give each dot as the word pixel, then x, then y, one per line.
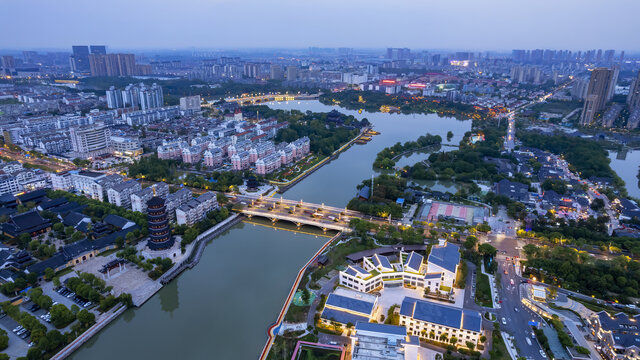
pixel 441 314
pixel 382 328
pixel 446 257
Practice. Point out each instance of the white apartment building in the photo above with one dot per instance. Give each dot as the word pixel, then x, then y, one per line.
pixel 196 209
pixel 61 181
pixel 8 184
pixel 91 141
pixel 139 199
pixel 120 194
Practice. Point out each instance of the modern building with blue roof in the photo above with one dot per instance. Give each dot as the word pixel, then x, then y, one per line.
pixel 431 320
pixel 408 269
pixel 444 260
pixel 344 306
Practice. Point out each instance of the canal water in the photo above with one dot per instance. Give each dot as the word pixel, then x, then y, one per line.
pixel 627 169
pixel 335 183
pixel 221 308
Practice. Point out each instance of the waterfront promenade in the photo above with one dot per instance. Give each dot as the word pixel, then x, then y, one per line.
pixel 273 329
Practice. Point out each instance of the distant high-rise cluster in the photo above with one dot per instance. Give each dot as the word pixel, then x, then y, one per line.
pixel 135 95
pixel 94 59
pixel 600 91
pixel 398 53
pixel 540 56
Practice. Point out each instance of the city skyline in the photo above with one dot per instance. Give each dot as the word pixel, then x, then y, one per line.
pixel 500 25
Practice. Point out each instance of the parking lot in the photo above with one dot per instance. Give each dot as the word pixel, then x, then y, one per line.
pixel 48 289
pixel 17 346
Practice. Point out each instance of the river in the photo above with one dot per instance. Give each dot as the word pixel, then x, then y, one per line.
pixel 627 169
pixel 221 309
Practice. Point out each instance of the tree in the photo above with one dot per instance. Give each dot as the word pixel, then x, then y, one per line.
pixel 470 345
pixel 4 340
pixel 470 242
pixel 69 230
pixel 305 295
pixel 487 250
pixel 85 317
pixel 56 281
pixel 130 237
pixel 61 316
pixel 23 240
pixel 58 227
pixel 453 340
pixel 77 236
pixel 49 273
pixel 119 242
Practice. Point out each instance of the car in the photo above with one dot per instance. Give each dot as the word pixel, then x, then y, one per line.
pixel 25 335
pixel 504 321
pixel 543 354
pixel 17 329
pixel 21 332
pixel 533 334
pixel 87 304
pixel 506 272
pixel 515 309
pixel 35 308
pixel 528 341
pixel 55 303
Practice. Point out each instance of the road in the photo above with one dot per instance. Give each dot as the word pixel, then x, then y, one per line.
pixel 515 314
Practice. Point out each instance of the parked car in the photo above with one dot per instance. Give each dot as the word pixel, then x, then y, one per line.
pixel 504 321
pixel 543 354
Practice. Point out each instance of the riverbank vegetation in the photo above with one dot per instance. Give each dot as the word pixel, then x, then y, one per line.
pixel 372 101
pixel 385 158
pixel 382 200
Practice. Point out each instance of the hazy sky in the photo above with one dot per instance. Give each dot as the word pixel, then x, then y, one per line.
pixel 443 24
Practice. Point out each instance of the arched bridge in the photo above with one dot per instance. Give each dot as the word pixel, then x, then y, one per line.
pixel 297 212
pixel 260 98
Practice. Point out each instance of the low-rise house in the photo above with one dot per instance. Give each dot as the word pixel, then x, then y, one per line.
pixel 29 222
pixel 513 190
pixel 618 335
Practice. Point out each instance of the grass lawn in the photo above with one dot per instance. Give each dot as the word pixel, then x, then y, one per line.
pixel 298 168
pixel 461 277
pixel 560 107
pixel 308 353
pixel 296 313
pixel 483 291
pixel 64 271
pixel 337 256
